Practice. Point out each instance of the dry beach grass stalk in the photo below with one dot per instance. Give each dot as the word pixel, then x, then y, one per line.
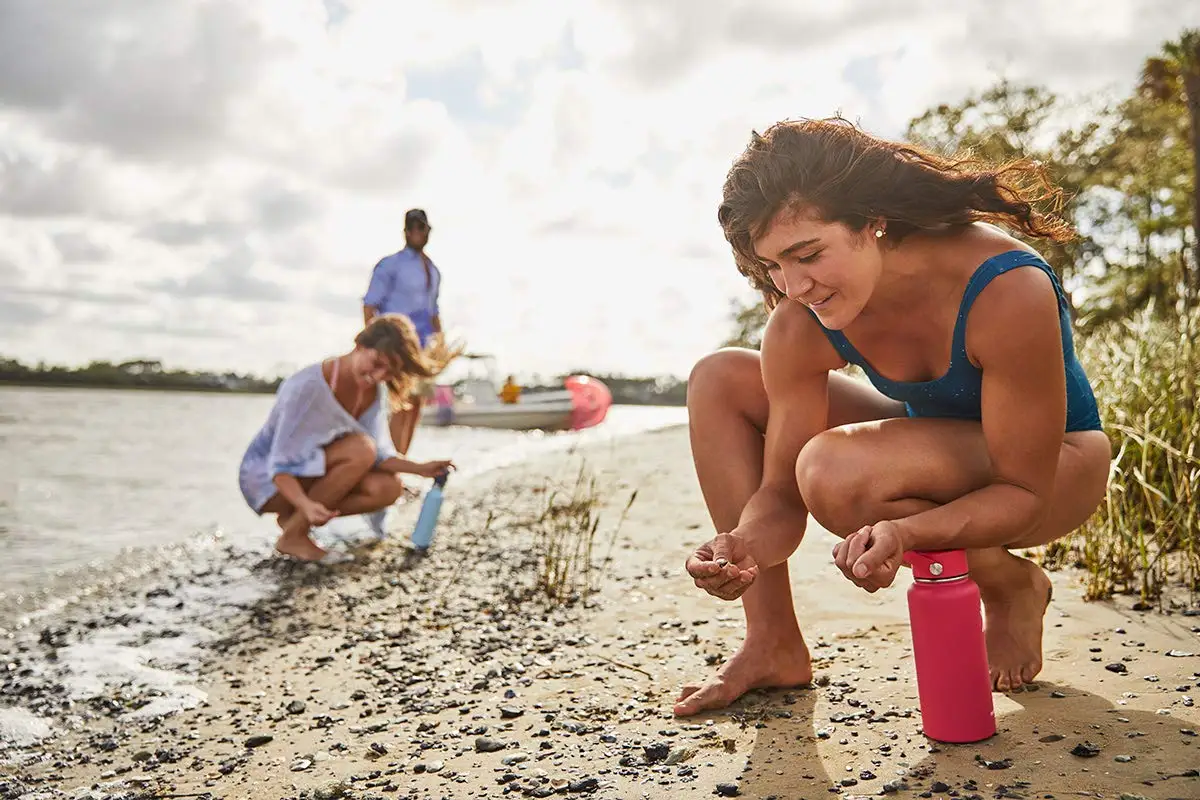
pixel 565 538
pixel 1145 538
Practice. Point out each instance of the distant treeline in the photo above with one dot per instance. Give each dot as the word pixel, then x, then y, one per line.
pixel 148 374
pixel 131 375
pixel 635 391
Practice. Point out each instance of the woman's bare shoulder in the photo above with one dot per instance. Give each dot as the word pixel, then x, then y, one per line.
pixel 795 345
pixel 303 380
pixel 983 241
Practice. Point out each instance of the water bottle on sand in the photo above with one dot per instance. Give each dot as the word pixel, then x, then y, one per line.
pixel 427 520
pixel 953 680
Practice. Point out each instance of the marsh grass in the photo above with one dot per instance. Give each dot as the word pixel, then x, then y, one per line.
pixel 1145 538
pixel 567 539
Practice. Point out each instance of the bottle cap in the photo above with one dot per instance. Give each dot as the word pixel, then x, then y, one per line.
pixel 937 565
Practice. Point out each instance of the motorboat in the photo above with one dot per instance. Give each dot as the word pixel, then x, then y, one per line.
pixel 583 402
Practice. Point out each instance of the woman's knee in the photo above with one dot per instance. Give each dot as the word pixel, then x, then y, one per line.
pixel 835 482
pixel 355 448
pixel 728 375
pixel 383 485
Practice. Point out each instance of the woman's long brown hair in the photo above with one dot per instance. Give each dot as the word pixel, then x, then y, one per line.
pixel 851 177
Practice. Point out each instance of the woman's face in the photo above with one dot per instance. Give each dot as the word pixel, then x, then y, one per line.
pixel 369 367
pixel 826 266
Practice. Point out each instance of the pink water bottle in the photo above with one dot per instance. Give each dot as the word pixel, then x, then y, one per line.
pixel 953 680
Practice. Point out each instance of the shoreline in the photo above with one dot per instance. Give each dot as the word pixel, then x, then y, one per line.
pixel 445 677
pixel 120 387
pixel 265 392
pixel 43 584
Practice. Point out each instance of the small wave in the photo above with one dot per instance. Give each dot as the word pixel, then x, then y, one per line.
pixel 69 587
pixel 20 727
pixel 136 655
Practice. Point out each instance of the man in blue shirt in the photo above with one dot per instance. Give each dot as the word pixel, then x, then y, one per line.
pixel 407 283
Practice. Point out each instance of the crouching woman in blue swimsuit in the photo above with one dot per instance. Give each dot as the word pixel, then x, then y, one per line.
pixel 979 430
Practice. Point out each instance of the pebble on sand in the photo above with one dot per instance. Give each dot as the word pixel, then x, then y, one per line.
pixel 486 744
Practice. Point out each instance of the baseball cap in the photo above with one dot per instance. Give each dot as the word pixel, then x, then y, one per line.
pixel 415 216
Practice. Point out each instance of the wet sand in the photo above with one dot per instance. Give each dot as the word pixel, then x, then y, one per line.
pixel 448 677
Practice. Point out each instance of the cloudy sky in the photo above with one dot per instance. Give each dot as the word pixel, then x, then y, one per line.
pixel 210 182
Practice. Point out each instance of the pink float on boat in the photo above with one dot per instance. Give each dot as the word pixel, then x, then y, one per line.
pixel 583 402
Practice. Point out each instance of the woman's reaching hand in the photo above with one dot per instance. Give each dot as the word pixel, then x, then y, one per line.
pixel 431 469
pixel 723 567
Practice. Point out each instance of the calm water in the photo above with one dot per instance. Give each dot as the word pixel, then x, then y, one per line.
pixel 94 482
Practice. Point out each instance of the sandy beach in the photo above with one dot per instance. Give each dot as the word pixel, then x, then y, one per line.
pixel 445 677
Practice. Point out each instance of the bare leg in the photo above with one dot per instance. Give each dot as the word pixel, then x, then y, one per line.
pixel 347 461
pixel 1016 595
pixel 857 475
pixel 727 412
pixel 403 425
pixel 281 508
pixel 376 490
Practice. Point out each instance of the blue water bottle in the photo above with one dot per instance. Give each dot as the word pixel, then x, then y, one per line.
pixel 422 535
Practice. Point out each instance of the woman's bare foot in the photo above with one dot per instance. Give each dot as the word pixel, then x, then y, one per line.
pixel 1015 600
pixel 300 547
pixel 753 666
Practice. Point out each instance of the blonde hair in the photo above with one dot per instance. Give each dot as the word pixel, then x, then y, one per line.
pixel 395 338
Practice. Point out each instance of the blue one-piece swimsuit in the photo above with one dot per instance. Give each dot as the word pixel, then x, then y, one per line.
pixel 957 393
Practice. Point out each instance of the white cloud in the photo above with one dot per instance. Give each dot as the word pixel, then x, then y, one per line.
pixel 210 182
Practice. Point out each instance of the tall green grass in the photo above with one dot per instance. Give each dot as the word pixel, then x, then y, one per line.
pixel 1145 538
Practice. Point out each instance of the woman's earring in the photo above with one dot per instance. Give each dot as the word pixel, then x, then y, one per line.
pixel 879 233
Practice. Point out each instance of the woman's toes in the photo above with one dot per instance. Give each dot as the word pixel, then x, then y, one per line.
pixel 708 697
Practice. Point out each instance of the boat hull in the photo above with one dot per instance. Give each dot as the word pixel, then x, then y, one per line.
pixel 583 403
pixel 515 418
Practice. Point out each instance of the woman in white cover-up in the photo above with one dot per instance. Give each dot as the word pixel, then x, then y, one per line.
pixel 325 449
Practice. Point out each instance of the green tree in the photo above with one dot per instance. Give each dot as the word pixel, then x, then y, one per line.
pixel 1173 78
pixel 749 317
pixel 1145 213
pixel 1007 122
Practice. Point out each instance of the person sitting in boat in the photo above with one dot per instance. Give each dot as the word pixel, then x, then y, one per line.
pixel 325 449
pixel 511 391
